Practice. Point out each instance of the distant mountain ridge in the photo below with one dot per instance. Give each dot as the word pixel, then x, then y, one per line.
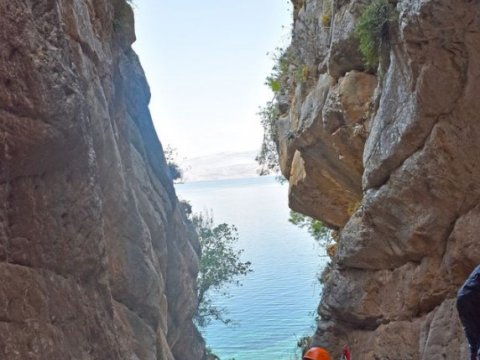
pixel 219 166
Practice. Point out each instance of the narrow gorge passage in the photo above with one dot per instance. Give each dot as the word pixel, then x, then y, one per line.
pixel 373 121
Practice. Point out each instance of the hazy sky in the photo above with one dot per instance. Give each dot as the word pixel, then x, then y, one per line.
pixel 206 62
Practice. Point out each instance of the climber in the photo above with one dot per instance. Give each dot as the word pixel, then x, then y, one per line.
pixel 468 306
pixel 346 353
pixel 318 353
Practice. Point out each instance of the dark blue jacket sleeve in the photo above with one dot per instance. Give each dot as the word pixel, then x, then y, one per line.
pixel 472 284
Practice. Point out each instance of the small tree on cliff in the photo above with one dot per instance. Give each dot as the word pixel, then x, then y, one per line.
pixel 174 170
pixel 220 265
pixel 267 158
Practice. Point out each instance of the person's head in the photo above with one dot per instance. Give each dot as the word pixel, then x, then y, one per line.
pixel 317 353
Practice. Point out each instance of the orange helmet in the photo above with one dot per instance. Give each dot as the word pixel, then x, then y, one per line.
pixel 317 353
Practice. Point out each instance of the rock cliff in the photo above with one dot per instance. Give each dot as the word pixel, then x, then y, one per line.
pixel 97 260
pixel 389 158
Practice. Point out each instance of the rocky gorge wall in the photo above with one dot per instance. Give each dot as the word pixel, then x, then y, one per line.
pixel 388 157
pixel 97 261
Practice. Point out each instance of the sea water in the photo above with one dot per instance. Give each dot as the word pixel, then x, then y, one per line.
pixel 277 303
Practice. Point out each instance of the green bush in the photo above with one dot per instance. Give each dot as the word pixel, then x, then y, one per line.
pixel 372 30
pixel 282 61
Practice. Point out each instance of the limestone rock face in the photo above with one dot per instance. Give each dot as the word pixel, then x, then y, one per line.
pixel 97 260
pixel 392 162
pixel 321 145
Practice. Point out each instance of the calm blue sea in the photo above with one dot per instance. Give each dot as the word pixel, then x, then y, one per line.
pixel 277 303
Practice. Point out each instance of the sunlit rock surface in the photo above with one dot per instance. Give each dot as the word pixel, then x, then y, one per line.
pixel 96 259
pixel 392 160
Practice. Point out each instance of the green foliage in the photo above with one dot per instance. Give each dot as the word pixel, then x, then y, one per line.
pixel 372 30
pixel 273 83
pixel 279 72
pixel 287 71
pixel 220 265
pixel 304 343
pixel 285 62
pixel 326 13
pixel 302 74
pixel 122 10
pixel 315 227
pixel 174 170
pixel 267 158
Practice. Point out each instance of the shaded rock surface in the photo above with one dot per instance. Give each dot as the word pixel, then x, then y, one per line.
pixel 391 160
pixel 97 261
